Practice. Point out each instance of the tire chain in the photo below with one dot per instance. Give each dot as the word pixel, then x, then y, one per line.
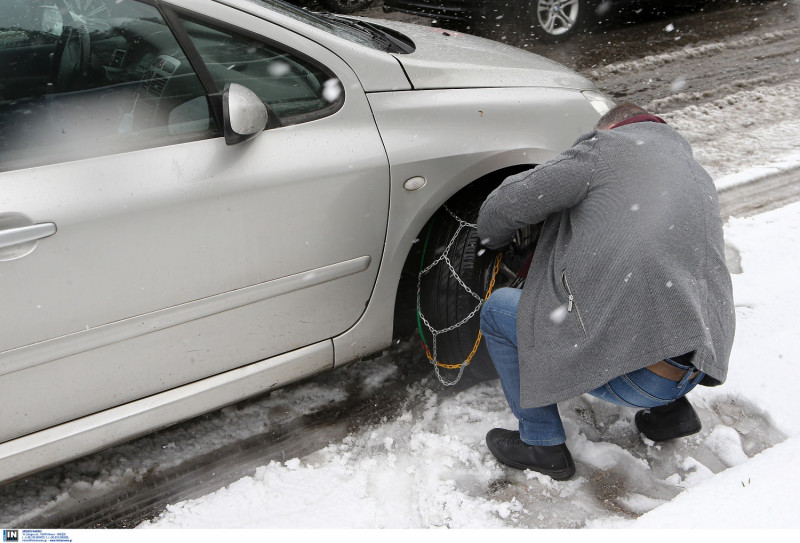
pixel 435 333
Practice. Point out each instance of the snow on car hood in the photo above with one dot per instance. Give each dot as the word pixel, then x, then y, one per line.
pixel 447 59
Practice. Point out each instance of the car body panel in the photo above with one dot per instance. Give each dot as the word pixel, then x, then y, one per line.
pixel 453 60
pixel 107 301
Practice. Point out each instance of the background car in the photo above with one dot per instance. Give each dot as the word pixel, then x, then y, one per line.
pixel 548 20
pixel 336 6
pixel 345 6
pixel 204 200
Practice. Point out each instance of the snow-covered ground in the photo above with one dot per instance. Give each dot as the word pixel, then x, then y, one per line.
pixel 429 466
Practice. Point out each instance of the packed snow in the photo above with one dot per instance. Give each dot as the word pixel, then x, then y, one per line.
pixel 429 466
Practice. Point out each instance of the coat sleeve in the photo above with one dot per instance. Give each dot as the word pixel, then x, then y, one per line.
pixel 529 197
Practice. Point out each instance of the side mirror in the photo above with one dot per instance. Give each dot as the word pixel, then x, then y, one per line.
pixel 245 115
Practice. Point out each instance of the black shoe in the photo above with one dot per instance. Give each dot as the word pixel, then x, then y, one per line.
pixel 676 419
pixel 508 448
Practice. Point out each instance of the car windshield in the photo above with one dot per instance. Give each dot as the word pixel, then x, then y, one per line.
pixel 357 31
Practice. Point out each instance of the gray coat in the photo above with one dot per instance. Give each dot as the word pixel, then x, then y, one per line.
pixel 629 268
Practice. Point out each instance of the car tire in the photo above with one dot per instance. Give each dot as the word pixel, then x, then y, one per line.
pixel 346 6
pixel 559 20
pixel 443 301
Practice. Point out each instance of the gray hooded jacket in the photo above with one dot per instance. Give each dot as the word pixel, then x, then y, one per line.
pixel 629 268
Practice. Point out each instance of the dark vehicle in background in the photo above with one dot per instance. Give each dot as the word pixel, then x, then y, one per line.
pixel 334 6
pixel 345 6
pixel 548 20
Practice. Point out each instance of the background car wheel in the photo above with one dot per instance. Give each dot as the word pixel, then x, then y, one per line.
pixel 559 20
pixel 346 6
pixel 445 302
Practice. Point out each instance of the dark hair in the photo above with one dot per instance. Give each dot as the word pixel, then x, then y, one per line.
pixel 619 113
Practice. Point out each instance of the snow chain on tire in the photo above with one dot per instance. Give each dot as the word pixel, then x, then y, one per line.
pixel 444 258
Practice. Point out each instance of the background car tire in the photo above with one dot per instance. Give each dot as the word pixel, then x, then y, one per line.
pixel 560 20
pixel 345 6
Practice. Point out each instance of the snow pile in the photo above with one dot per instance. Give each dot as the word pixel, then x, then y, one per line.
pixel 755 495
pixel 401 474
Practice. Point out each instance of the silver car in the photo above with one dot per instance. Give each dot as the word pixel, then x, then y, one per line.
pixel 202 200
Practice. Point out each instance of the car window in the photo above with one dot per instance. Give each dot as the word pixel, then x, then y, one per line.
pixel 82 78
pixel 297 89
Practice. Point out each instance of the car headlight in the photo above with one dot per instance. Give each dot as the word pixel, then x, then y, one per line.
pixel 599 101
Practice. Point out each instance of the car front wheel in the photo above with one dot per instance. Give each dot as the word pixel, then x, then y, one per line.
pixel 456 275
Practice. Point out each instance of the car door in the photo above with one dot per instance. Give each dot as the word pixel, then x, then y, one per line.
pixel 138 251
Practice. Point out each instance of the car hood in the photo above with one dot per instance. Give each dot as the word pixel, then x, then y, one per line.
pixel 447 59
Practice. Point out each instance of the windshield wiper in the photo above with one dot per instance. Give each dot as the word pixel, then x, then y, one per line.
pixel 398 45
pixel 377 35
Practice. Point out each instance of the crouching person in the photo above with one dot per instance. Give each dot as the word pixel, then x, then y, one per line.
pixel 628 297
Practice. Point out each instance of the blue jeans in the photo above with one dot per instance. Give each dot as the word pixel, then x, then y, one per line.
pixel 542 425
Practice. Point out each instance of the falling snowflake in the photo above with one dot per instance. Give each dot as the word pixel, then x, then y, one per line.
pixel 332 90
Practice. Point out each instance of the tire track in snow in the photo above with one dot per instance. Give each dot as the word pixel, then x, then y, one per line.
pixel 692 52
pixel 732 134
pixel 698 74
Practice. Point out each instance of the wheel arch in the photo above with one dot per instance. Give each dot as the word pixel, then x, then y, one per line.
pixel 404 315
pixel 391 311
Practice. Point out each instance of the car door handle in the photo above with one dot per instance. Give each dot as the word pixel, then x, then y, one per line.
pixel 24 234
